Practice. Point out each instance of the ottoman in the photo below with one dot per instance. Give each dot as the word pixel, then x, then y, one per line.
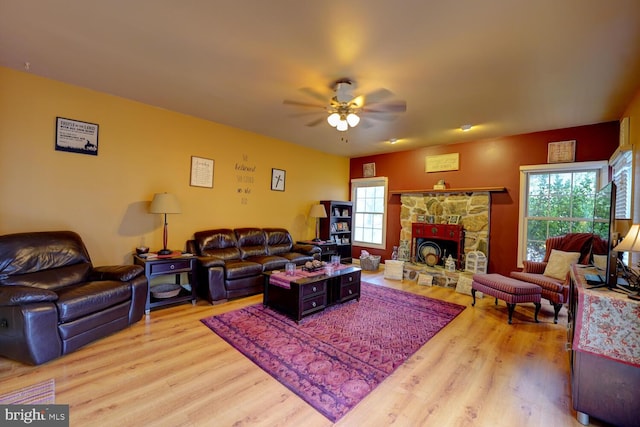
pixel 511 291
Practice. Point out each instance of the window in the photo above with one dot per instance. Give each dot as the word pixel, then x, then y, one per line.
pixel 621 168
pixel 621 171
pixel 556 199
pixel 369 196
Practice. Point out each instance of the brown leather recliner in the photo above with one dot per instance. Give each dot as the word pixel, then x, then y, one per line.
pixel 53 301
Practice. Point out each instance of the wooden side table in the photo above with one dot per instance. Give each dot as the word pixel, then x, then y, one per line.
pixel 173 266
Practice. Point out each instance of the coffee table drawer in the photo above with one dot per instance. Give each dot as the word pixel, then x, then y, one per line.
pixel 350 291
pixel 314 288
pixel 314 303
pixel 347 279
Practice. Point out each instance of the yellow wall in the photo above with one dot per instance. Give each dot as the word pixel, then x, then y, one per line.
pixel 144 150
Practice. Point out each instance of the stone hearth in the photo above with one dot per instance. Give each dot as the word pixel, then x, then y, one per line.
pixel 473 208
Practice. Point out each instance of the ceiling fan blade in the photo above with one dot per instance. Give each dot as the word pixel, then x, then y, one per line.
pixel 387 107
pixel 302 104
pixel 382 117
pixel 378 95
pixel 316 122
pixel 315 94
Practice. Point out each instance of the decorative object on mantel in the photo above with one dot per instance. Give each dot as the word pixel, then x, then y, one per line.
pixel 442 162
pixel 369 170
pixel 561 152
pixel 441 185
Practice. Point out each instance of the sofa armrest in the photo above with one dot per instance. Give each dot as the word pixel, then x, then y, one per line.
pixel 306 249
pixel 20 295
pixel 122 273
pixel 210 261
pixel 536 267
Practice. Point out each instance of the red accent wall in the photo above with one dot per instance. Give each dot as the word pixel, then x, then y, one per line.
pixel 484 163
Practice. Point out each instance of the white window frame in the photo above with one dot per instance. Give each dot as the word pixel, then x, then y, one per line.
pixel 603 166
pixel 370 182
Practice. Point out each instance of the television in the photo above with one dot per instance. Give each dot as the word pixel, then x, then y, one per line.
pixel 603 257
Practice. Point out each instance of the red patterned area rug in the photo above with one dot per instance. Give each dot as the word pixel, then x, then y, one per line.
pixel 333 359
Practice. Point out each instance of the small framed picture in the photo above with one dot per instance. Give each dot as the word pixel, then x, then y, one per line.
pixel 430 219
pixel 561 152
pixel 201 172
pixel 75 136
pixel 369 170
pixel 345 212
pixel 454 219
pixel 421 218
pixel 277 179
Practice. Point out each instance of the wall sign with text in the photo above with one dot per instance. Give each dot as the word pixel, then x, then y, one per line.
pixel 76 136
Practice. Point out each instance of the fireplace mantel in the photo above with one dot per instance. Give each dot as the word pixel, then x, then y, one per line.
pixel 452 190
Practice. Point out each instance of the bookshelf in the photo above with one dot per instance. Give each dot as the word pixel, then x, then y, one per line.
pixel 338 226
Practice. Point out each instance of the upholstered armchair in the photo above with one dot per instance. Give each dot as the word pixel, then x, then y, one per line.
pixel 53 300
pixel 552 273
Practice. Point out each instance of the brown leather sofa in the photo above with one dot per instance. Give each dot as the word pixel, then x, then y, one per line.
pixel 53 300
pixel 231 262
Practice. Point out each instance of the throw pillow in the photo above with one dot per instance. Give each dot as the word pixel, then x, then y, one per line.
pixel 559 263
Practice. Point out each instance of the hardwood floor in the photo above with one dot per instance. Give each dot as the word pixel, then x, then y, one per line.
pixel 171 370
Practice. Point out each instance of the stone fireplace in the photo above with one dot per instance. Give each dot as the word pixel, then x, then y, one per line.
pixel 472 207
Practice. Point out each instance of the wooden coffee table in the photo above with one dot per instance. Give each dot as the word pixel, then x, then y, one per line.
pixel 312 294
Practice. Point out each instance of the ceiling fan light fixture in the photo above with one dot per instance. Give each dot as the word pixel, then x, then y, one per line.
pixel 333 119
pixel 353 119
pixel 342 125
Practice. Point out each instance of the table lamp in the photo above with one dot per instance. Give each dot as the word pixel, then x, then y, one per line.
pixel 164 203
pixel 317 212
pixel 630 243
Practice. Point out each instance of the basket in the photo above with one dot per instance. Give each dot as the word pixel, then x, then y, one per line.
pixel 165 290
pixel 370 263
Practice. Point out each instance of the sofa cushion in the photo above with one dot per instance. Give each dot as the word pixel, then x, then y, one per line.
pixel 23 253
pixel 559 263
pixel 251 242
pixel 269 262
pixel 220 243
pixel 279 240
pixel 545 282
pixel 90 297
pixel 296 257
pixel 53 279
pixel 238 269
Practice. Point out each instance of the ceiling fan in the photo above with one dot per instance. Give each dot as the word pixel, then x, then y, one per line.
pixel 343 110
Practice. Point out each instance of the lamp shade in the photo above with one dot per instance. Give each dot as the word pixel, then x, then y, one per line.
pixel 353 120
pixel 333 119
pixel 164 203
pixel 631 242
pixel 318 211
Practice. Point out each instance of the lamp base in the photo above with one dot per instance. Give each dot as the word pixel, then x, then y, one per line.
pixel 165 252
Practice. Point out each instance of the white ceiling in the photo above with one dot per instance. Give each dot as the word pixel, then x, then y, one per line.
pixel 505 66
